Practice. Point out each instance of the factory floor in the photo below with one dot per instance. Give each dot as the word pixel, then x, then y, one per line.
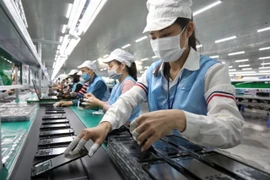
pixel 255 145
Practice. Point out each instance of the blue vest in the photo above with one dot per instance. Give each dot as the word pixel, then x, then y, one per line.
pixel 75 85
pixel 190 90
pixel 91 87
pixel 116 93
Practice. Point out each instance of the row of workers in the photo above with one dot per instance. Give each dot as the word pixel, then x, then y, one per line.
pixel 188 94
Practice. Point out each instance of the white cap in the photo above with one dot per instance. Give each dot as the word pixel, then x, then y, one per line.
pixel 121 56
pixel 62 77
pixel 73 71
pixel 79 73
pixel 163 13
pixel 89 64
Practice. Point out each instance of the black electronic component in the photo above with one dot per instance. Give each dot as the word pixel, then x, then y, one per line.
pixel 56 162
pixel 57 121
pixel 57 132
pixel 55 112
pixel 55 141
pixel 55 126
pixel 50 152
pixel 53 117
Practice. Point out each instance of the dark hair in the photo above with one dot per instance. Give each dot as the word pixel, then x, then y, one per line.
pixel 182 22
pixel 76 78
pixel 132 70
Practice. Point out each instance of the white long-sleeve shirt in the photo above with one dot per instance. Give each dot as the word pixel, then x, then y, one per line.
pixel 222 125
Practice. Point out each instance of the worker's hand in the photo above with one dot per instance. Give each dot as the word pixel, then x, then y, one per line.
pixel 93 101
pixel 97 134
pixel 63 103
pixel 154 125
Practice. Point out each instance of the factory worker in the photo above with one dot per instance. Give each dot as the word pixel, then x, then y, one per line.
pixel 94 84
pixel 121 67
pixel 77 84
pixel 187 93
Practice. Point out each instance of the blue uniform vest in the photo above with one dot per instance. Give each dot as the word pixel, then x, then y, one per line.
pixel 190 90
pixel 91 87
pixel 116 93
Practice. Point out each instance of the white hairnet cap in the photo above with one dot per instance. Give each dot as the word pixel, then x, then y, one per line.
pixel 73 71
pixel 89 64
pixel 79 73
pixel 62 77
pixel 163 13
pixel 121 56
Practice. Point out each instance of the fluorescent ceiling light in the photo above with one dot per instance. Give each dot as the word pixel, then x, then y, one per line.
pixel 242 72
pixel 77 9
pixel 264 48
pixel 72 44
pixel 225 39
pixel 199 46
pixel 245 65
pixel 154 57
pixel 264 71
pixel 61 39
pixel 195 13
pixel 265 64
pixel 230 67
pixel 223 62
pixel 68 10
pixel 242 60
pixel 232 70
pixel 264 29
pixel 125 46
pixel 236 53
pixel 252 74
pixel 264 67
pixel 145 59
pixel 215 56
pixel 263 58
pixel 58 47
pixel 64 44
pixel 90 14
pixel 54 64
pixel 105 56
pixel 64 28
pixel 245 69
pixel 141 39
pixel 94 61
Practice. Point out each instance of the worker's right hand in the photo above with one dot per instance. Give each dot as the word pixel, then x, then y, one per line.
pixel 63 103
pixel 97 134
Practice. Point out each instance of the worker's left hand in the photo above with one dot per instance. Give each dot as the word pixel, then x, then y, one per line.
pixel 154 125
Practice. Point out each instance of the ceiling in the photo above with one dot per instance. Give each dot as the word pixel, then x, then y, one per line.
pixel 121 22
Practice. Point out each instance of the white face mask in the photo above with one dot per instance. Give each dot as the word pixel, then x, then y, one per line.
pixel 113 74
pixel 82 80
pixel 168 49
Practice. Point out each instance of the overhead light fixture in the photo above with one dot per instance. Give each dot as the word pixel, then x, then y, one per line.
pixel 264 29
pixel 64 44
pixel 54 65
pixel 64 28
pixel 195 13
pixel 265 64
pixel 154 57
pixel 232 70
pixel 225 39
pixel 94 61
pixel 76 11
pixel 145 59
pixel 199 46
pixel 245 69
pixel 61 39
pixel 264 48
pixel 236 53
pixel 141 39
pixel 264 71
pixel 215 56
pixel 105 56
pixel 58 47
pixel 263 58
pixel 264 67
pixel 242 72
pixel 68 10
pixel 72 44
pixel 91 12
pixel 223 62
pixel 230 66
pixel 125 46
pixel 241 60
pixel 244 65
